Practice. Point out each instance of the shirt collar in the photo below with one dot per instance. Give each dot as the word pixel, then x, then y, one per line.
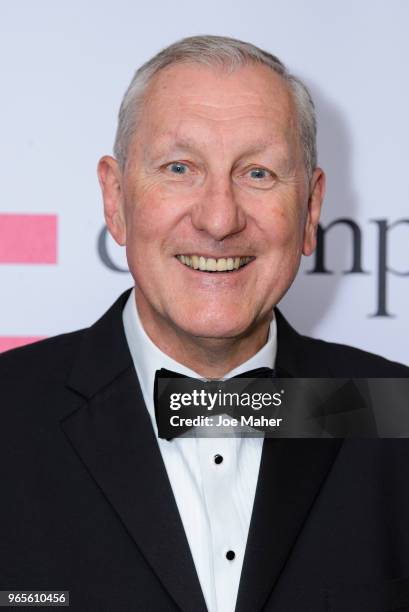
pixel 148 358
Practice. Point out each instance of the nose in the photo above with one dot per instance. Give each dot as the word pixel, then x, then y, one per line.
pixel 218 213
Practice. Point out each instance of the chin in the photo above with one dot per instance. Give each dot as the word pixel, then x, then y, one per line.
pixel 214 327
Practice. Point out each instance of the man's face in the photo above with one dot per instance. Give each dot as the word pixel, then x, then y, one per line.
pixel 214 178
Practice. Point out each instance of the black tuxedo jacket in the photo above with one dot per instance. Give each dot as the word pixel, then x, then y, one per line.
pixel 86 505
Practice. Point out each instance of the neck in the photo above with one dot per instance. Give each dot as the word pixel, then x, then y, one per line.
pixel 209 357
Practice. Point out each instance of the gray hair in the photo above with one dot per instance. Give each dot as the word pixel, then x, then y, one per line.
pixel 214 51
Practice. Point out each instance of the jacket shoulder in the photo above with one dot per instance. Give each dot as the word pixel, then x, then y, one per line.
pixel 47 358
pixel 302 355
pixel 344 360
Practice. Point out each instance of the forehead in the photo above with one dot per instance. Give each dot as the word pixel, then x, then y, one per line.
pixel 183 97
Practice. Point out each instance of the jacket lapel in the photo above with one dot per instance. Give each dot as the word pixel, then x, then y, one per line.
pixel 113 435
pixel 291 474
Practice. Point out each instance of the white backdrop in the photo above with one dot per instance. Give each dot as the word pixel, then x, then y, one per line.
pixel 64 67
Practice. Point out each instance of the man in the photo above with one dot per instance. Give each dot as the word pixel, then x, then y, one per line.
pixel 216 194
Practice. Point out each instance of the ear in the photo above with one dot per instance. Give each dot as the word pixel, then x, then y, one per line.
pixel 110 179
pixel 317 190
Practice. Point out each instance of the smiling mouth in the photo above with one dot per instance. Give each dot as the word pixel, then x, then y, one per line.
pixel 209 264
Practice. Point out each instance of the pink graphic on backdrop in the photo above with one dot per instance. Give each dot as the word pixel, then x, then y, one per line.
pixel 28 239
pixel 9 342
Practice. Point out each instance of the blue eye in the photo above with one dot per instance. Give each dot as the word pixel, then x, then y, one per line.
pixel 178 168
pixel 259 173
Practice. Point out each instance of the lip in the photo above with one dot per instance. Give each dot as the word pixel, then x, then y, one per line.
pixel 212 255
pixel 214 274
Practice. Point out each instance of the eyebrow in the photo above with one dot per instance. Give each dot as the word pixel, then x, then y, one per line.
pixel 189 144
pixel 166 144
pixel 260 146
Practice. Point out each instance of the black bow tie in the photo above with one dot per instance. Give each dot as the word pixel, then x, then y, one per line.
pixel 167 383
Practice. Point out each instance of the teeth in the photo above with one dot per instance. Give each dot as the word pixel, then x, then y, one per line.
pixel 210 264
pixel 221 265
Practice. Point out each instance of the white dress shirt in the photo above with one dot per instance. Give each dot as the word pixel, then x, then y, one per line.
pixel 215 500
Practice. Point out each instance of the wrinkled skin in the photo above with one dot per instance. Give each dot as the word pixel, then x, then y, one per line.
pixel 215 168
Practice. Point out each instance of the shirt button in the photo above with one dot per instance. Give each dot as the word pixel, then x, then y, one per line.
pixel 230 555
pixel 218 459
